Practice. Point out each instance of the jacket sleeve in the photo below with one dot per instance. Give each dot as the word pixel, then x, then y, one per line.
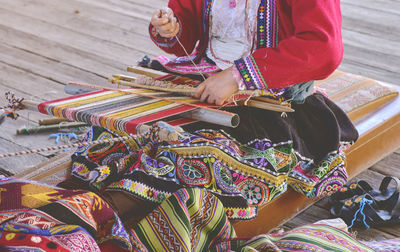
pixel 188 14
pixel 313 52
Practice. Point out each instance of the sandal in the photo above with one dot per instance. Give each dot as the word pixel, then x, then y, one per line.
pixel 363 211
pixel 384 192
pixel 362 187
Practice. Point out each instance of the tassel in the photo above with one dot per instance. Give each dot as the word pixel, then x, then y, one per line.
pixel 361 211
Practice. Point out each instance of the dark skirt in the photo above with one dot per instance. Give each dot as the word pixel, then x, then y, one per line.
pixel 316 128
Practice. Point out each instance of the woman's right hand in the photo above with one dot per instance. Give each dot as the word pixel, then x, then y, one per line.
pixel 165 23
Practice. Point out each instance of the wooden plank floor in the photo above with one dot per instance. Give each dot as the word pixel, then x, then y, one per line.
pixel 46 43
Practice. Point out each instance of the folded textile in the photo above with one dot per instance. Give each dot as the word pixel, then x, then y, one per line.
pixel 35 216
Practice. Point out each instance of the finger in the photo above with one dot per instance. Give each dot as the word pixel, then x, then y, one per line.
pixel 171 26
pixel 168 28
pixel 168 11
pixel 173 23
pixel 176 30
pixel 204 96
pixel 159 21
pixel 176 25
pixel 211 99
pixel 166 34
pixel 219 102
pixel 199 90
pixel 156 14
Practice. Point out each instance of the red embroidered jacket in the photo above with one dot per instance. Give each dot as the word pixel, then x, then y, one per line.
pixel 297 40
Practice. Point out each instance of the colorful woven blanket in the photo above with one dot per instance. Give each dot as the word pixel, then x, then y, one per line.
pixel 37 217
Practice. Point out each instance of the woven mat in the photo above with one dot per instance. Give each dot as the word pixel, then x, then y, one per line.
pixel 355 94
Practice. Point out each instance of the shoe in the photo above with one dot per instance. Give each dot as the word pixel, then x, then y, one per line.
pixel 363 187
pixel 384 191
pixel 363 211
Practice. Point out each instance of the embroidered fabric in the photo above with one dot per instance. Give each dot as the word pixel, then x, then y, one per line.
pixel 242 175
pixel 232 25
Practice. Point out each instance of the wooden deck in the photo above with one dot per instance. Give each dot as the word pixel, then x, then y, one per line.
pixel 47 43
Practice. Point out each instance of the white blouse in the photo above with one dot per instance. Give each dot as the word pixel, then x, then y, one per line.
pixel 232 30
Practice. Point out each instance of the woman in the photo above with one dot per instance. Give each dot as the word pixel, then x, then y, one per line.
pixel 277 46
pixel 280 47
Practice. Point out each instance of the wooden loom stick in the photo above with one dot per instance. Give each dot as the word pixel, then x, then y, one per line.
pixel 46 128
pixel 129 82
pixel 164 134
pixel 267 106
pixel 52 121
pixel 255 102
pixel 145 71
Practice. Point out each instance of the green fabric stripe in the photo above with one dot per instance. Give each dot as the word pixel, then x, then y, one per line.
pixel 142 233
pixel 258 71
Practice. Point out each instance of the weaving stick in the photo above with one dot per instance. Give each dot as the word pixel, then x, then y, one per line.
pixel 258 102
pixel 131 82
pixel 52 121
pixel 145 71
pixel 46 128
pixel 267 106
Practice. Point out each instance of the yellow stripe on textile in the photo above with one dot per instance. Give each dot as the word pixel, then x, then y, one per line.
pixel 57 110
pixel 110 119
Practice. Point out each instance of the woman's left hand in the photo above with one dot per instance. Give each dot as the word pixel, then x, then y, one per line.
pixel 217 88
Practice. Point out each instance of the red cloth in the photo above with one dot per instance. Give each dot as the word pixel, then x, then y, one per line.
pixel 310 40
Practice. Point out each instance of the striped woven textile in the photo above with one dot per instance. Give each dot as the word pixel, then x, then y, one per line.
pixel 194 220
pixel 119 110
pixel 38 217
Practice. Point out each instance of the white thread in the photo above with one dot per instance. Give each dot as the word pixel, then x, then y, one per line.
pixel 187 54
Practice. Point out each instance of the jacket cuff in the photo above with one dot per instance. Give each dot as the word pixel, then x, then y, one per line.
pixel 250 73
pixel 161 41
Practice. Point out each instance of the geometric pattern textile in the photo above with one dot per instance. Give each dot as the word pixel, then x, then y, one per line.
pixel 190 219
pixel 242 176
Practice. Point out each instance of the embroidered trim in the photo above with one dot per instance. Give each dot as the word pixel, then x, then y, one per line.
pixel 241 213
pixel 140 189
pixel 267 24
pixel 250 73
pixel 177 65
pixel 267 36
pixel 204 150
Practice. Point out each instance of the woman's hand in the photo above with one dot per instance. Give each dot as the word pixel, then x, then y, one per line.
pixel 165 23
pixel 217 88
